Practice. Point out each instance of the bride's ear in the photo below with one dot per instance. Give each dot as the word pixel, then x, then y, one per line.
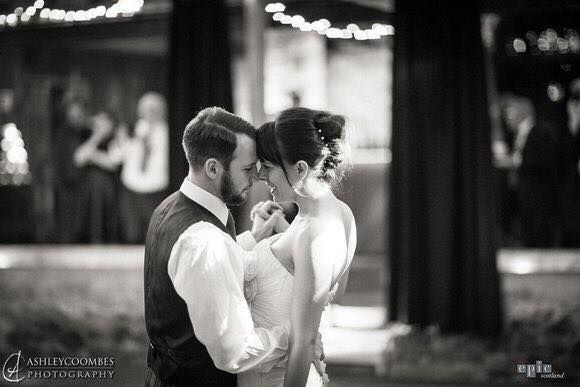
pixel 302 168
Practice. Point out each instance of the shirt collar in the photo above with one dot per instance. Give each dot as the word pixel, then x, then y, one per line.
pixel 205 199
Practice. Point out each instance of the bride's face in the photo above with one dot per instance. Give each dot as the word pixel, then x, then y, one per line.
pixel 273 175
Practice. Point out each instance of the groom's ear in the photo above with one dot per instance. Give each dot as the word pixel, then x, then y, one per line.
pixel 212 167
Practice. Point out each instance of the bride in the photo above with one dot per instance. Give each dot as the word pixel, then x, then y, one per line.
pixel 299 271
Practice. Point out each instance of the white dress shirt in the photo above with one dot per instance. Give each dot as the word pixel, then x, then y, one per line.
pixel 207 268
pixel 154 176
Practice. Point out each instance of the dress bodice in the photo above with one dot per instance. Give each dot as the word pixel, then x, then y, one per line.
pixel 268 289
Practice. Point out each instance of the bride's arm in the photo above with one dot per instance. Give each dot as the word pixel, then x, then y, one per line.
pixel 312 279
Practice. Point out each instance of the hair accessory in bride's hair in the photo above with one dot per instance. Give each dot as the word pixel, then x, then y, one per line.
pixel 321 136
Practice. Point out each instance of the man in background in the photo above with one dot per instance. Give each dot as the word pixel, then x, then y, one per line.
pixel 71 194
pixel 145 173
pixel 534 158
pixel 570 188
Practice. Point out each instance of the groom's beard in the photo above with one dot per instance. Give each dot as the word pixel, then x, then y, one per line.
pixel 231 198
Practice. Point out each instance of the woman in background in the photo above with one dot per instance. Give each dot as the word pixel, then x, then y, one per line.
pixel 101 157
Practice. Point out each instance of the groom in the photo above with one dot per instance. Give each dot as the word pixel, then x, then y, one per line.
pixel 198 322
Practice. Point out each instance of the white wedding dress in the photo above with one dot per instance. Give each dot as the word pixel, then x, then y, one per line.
pixel 269 293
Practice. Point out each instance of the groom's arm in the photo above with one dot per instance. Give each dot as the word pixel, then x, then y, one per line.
pixel 246 240
pixel 207 272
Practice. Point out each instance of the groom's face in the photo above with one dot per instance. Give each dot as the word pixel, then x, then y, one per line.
pixel 237 181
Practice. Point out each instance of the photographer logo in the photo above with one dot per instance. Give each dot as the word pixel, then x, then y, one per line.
pixel 12 367
pixel 17 368
pixel 539 369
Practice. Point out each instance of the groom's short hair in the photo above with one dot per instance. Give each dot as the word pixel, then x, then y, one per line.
pixel 212 134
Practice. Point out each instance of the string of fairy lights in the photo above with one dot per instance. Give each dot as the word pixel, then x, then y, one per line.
pixel 325 27
pixel 37 11
pixel 548 41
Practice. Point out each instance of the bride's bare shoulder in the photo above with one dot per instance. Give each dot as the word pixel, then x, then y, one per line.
pixel 346 212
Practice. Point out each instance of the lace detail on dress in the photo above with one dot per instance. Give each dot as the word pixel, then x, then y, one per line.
pixel 250 283
pixel 250 291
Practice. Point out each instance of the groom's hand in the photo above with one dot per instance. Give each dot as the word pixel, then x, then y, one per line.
pixel 263 228
pixel 282 225
pixel 318 355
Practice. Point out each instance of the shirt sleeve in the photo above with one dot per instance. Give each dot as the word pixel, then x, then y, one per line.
pixel 246 240
pixel 207 272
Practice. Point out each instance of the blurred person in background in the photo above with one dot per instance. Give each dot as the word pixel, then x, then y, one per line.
pixel 534 165
pixel 570 151
pixel 71 131
pixel 101 157
pixel 6 106
pixel 145 173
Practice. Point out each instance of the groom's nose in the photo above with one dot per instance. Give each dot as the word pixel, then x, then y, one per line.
pixel 262 175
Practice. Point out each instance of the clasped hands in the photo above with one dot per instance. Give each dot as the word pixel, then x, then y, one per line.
pixel 267 217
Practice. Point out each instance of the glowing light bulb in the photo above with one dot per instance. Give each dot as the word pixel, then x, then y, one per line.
pixel 275 7
pixel 297 21
pixel 12 20
pixel 519 45
pixel 346 34
pixel 334 33
pixel 317 26
pixel 80 15
pixel 45 13
pixel 306 27
pixel 383 30
pixel 360 35
pixel 91 14
pixel 543 44
pixel 325 23
pixel 39 4
pixel 352 27
pixel 372 34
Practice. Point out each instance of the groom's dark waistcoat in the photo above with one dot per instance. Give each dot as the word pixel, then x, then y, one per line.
pixel 175 355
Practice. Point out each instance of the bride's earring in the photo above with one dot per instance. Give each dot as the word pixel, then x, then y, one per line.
pixel 298 187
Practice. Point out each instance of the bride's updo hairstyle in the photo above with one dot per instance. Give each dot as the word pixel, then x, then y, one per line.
pixel 315 136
